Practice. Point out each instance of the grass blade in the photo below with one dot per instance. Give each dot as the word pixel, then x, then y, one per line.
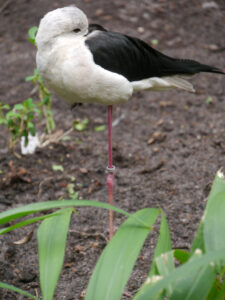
pixel 198 242
pixel 52 235
pixel 25 210
pixel 153 292
pixel 217 187
pixel 165 265
pixel 27 222
pixel 195 285
pixel 17 290
pixel 117 260
pixel 214 227
pixel 163 244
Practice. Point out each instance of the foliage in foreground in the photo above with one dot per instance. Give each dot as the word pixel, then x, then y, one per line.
pixel 199 275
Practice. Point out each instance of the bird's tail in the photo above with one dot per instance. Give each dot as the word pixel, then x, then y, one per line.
pixel 189 66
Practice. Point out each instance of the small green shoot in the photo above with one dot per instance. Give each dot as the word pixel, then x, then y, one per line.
pixel 209 100
pixel 80 125
pixel 32 33
pixel 154 42
pixel 100 128
pixel 58 168
pixel 44 102
pixel 19 121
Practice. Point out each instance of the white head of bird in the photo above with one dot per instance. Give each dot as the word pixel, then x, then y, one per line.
pixel 68 20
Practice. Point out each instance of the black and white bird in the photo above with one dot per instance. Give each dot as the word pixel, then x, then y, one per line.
pixel 87 63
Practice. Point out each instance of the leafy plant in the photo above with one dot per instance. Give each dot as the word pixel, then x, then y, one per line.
pixel 44 102
pixel 200 274
pixel 19 120
pixel 44 94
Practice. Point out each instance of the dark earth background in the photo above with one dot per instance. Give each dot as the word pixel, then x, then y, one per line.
pixel 167 146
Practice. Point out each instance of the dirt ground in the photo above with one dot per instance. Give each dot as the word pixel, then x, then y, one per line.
pixel 167 146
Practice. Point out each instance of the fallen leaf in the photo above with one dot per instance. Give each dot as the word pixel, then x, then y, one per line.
pixel 25 239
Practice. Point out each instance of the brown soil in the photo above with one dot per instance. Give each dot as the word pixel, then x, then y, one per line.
pixel 174 171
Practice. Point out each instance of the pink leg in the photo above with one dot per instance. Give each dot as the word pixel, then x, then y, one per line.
pixel 110 168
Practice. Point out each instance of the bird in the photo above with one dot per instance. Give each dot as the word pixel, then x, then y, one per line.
pixel 86 63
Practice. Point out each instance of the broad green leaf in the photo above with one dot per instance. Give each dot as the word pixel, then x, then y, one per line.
pixel 214 224
pixel 52 235
pixel 17 290
pixel 25 210
pixel 27 222
pixel 152 292
pixel 163 244
pixel 117 260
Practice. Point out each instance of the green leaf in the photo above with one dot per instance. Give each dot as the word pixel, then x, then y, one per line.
pixel 29 78
pixel 17 290
pixel 46 100
pixel 80 125
pixel 57 168
pixel 214 227
pixel 217 187
pixel 28 103
pixel 27 222
pixel 100 128
pixel 198 242
pixel 181 255
pixel 31 33
pixel 165 265
pixel 214 221
pixel 163 244
pixel 6 106
pixel 18 107
pixel 117 260
pixel 152 292
pixel 52 235
pixel 198 287
pixel 25 210
pixel 195 285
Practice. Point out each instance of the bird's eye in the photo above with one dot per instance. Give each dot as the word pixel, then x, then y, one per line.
pixel 76 30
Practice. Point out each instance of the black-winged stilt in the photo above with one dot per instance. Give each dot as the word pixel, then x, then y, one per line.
pixel 86 63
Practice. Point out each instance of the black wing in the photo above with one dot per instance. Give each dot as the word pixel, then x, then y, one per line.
pixel 136 60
